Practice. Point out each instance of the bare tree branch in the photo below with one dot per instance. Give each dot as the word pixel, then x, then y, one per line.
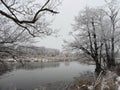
pixel 35 18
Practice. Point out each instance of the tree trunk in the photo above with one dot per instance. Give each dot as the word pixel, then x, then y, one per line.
pixel 112 61
pixel 98 67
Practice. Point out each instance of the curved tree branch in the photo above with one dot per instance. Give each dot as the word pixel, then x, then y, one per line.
pixel 35 18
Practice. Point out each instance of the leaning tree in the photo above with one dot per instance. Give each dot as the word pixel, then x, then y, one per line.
pixel 96 33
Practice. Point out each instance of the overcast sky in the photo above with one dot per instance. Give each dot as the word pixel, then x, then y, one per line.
pixel 64 19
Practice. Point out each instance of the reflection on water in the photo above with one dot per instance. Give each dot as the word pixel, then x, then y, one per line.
pixel 36 65
pixel 33 75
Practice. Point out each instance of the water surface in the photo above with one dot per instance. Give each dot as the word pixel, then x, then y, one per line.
pixel 35 74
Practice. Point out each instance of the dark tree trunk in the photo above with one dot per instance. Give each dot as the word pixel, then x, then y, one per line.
pixel 98 67
pixel 98 64
pixel 111 63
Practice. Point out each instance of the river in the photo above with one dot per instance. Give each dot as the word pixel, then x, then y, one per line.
pixel 34 75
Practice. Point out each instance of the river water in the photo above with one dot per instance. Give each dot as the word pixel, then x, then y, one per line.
pixel 34 75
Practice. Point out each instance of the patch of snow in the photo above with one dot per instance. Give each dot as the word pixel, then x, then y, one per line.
pixel 90 87
pixel 118 78
pixel 119 88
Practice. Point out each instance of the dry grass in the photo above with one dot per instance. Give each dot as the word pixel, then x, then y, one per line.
pixel 80 85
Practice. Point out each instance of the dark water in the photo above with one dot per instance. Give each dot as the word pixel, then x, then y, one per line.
pixel 32 76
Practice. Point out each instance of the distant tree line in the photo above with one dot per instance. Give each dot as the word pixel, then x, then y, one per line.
pixel 37 51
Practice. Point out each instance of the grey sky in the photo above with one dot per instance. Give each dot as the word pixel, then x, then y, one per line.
pixel 64 19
